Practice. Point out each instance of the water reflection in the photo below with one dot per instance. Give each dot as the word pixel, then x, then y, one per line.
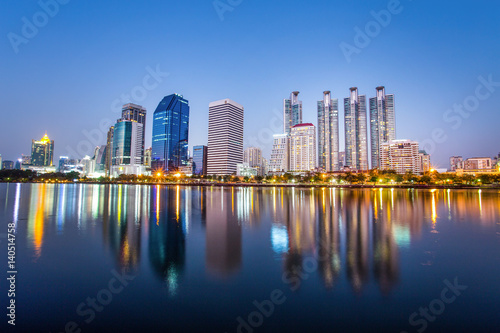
pixel 357 235
pixel 167 235
pixel 223 249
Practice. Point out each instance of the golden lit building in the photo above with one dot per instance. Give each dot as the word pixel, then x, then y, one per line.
pixel 42 152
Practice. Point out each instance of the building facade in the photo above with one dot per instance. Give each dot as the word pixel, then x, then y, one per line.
pixel 292 112
pixel 382 123
pixel 425 161
pixel 478 163
pixel 200 160
pixel 280 154
pixel 245 170
pixel 303 148
pixel 328 133
pixel 127 149
pixel 170 133
pixel 225 137
pixel 42 152
pixel 253 156
pixel 137 113
pixel 456 162
pixel 401 156
pixel 356 142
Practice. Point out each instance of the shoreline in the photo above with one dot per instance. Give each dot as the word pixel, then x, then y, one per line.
pixel 282 185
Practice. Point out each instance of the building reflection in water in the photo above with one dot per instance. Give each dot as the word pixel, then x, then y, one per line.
pixel 353 233
pixel 223 229
pixel 122 220
pixel 329 261
pixel 167 234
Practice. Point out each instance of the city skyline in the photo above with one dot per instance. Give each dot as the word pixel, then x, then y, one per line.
pixel 408 69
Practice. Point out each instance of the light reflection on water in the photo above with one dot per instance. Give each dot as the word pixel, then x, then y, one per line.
pixel 357 236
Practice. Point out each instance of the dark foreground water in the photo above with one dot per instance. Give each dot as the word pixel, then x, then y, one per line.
pixel 100 258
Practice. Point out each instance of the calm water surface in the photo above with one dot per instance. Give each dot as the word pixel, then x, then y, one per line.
pixel 212 259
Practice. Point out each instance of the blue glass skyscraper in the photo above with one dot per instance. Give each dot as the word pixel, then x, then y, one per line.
pixel 170 133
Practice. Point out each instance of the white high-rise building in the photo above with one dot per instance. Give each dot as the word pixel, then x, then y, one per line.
pixel 328 133
pixel 303 148
pixel 279 155
pixel 356 141
pixel 401 156
pixel 225 137
pixel 292 112
pixel 382 123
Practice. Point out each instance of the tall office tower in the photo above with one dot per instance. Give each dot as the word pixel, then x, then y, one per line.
pixel 292 112
pixel 127 148
pixel 253 157
pixel 279 156
pixel 0 162
pixel 382 123
pixel 109 151
pixel 137 113
pixel 303 148
pixel 42 152
pixel 401 156
pixel 200 160
pixel 456 162
pixel 356 141
pixel 328 133
pixel 225 137
pixel 170 133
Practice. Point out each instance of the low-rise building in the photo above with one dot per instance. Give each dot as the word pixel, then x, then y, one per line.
pixel 245 170
pixel 401 156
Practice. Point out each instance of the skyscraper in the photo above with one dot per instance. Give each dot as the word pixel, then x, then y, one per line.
pixel 170 133
pixel 382 123
pixel 356 143
pixel 303 148
pixel 200 160
pixel 137 113
pixel 42 152
pixel 280 154
pixel 225 137
pixel 328 133
pixel 292 112
pixel 127 148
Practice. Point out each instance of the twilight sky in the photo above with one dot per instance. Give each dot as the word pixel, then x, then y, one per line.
pixel 68 77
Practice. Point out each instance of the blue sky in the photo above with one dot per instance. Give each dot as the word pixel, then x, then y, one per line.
pixel 65 78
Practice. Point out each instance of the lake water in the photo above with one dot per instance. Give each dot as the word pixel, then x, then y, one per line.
pixel 127 258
